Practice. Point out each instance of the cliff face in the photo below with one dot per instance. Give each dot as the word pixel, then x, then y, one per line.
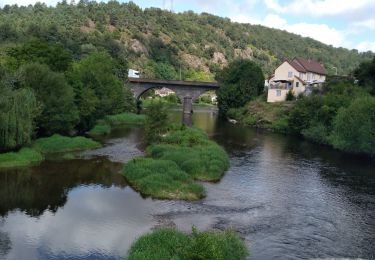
pixel 160 43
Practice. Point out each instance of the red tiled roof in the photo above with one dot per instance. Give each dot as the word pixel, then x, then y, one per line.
pixel 303 65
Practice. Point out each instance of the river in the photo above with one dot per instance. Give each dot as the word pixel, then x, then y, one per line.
pixel 288 198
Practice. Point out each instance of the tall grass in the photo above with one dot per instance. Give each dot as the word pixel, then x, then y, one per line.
pixel 57 144
pixel 24 157
pixel 104 126
pixel 162 179
pixel 193 152
pixel 125 118
pixel 171 244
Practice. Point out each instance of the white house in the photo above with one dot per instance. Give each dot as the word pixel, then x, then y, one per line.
pixel 295 75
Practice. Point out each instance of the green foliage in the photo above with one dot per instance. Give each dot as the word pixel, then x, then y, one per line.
pixel 38 51
pixel 56 97
pixel 365 73
pixel 18 109
pixel 99 91
pixel 216 245
pixel 354 127
pixel 101 128
pixel 289 96
pixel 58 144
pixel 159 245
pixel 24 157
pixel 156 122
pixel 172 244
pixel 162 179
pixel 125 119
pixel 242 81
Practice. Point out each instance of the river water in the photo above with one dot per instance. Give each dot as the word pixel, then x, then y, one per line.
pixel 289 199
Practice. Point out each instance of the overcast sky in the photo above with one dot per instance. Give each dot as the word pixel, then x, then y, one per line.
pixel 341 23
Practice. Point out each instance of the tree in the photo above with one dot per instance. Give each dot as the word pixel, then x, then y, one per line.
pixel 365 73
pixel 18 109
pixel 58 112
pixel 156 122
pixel 354 127
pixel 242 81
pixel 98 90
pixel 38 51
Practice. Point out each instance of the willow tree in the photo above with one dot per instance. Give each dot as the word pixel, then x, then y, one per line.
pixel 18 109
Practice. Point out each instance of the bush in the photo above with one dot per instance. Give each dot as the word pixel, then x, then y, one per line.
pixel 58 144
pixel 162 179
pixel 289 96
pixel 24 157
pixel 172 244
pixel 353 127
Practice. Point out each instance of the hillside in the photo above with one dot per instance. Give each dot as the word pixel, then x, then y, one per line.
pixel 160 43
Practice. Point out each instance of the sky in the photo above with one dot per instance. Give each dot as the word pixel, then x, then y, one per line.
pixel 340 23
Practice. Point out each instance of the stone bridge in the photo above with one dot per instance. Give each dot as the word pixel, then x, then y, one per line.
pixel 187 91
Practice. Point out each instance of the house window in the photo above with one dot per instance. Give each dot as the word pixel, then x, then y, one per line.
pixel 290 74
pixel 301 75
pixel 313 76
pixel 308 76
pixel 278 92
pixel 297 84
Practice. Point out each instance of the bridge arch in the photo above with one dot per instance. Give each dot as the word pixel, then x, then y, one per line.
pixel 187 91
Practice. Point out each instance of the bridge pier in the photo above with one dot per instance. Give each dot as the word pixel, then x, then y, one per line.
pixel 187 110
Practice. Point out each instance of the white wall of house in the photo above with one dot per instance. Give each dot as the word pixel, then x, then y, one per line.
pixel 298 87
pixel 276 95
pixel 285 72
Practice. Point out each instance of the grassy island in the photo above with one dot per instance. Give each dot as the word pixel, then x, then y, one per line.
pixel 172 244
pixel 24 157
pixel 59 144
pixel 179 157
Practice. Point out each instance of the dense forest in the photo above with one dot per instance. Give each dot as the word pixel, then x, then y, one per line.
pixel 159 42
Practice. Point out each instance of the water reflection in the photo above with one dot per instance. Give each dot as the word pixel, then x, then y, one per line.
pixel 288 198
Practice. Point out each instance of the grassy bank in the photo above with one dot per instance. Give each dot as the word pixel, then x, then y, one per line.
pixel 260 114
pixel 172 244
pixel 24 157
pixel 104 126
pixel 58 144
pixel 162 179
pixel 181 156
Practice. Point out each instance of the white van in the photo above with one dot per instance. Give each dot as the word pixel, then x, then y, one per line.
pixel 133 73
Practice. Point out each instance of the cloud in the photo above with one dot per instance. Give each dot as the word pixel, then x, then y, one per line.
pixel 321 7
pixel 366 46
pixel 320 32
pixel 366 24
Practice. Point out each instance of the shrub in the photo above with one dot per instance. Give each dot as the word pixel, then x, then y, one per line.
pixel 156 122
pixel 57 144
pixel 162 179
pixel 24 157
pixel 353 127
pixel 289 96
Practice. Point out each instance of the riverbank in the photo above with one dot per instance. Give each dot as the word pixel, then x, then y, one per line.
pixel 181 156
pixel 58 144
pixel 326 119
